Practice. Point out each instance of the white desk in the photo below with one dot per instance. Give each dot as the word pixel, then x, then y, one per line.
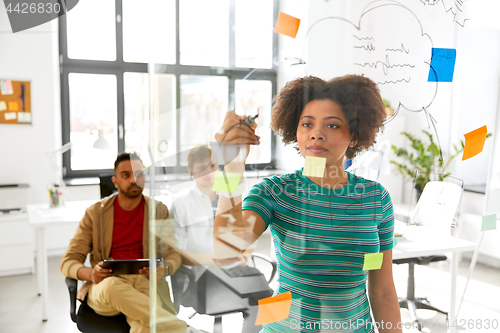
pixel 41 216
pixel 422 242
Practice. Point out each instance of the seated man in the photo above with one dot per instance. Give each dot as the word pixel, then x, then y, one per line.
pixel 193 211
pixel 118 228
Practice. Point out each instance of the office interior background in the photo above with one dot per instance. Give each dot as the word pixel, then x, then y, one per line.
pixel 90 81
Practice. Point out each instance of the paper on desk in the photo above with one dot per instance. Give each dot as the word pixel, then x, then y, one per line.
pixel 272 309
pixel 373 261
pixel 287 25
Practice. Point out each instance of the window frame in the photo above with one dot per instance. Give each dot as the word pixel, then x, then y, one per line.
pixel 119 67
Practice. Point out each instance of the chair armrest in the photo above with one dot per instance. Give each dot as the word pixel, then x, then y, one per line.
pixel 191 276
pixel 72 287
pixel 180 293
pixel 269 260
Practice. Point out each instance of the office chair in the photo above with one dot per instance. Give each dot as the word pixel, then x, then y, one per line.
pixel 411 302
pixel 438 205
pixel 106 185
pixel 208 295
pixel 88 321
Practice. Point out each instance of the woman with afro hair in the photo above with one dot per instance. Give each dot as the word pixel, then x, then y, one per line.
pixel 325 229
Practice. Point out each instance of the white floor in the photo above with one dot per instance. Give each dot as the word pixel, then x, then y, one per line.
pixel 20 308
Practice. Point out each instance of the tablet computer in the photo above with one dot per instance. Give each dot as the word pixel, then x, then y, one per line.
pixel 132 266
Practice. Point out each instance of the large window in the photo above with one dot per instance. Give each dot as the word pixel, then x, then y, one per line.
pixel 208 56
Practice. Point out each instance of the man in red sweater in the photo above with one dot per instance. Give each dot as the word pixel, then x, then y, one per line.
pixel 118 228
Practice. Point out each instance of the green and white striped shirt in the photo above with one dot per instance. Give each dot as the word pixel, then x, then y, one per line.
pixel 321 236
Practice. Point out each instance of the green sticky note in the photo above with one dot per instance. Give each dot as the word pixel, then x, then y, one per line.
pixel 373 261
pixel 314 166
pixel 489 222
pixel 226 182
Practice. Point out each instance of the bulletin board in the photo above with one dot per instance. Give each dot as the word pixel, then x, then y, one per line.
pixel 15 102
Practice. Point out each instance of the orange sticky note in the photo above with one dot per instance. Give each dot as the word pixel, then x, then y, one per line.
pixel 272 309
pixel 13 106
pixel 474 142
pixel 287 25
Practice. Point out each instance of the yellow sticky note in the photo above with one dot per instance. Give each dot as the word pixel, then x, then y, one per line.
pixel 3 106
pixel 287 25
pixel 272 309
pixel 489 222
pixel 314 166
pixel 13 106
pixel 474 142
pixel 226 182
pixel 373 261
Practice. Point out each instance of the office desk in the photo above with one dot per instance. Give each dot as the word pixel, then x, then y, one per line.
pixel 41 216
pixel 422 242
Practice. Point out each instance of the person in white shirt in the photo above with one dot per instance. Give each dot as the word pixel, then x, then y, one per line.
pixel 193 209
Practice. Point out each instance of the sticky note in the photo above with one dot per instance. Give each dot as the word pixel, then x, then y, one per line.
pixel 314 166
pixel 6 87
pixel 442 65
pixel 13 106
pixel 373 261
pixel 10 115
pixel 287 25
pixel 272 309
pixel 24 117
pixel 474 142
pixel 226 182
pixel 489 222
pixel 3 106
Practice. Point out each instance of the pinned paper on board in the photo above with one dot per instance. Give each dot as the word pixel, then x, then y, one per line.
pixel 373 261
pixel 3 106
pixel 489 222
pixel 442 65
pixel 273 309
pixel 314 166
pixel 226 182
pixel 474 142
pixel 287 25
pixel 10 115
pixel 13 106
pixel 24 117
pixel 6 87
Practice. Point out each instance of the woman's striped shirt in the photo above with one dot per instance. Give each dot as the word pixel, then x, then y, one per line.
pixel 321 236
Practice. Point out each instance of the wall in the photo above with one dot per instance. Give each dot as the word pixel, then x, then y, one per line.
pixel 33 55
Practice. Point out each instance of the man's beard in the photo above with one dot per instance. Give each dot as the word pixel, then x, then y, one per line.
pixel 130 193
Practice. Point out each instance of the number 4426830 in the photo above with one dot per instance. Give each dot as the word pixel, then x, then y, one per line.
pixel 474 324
pixel 25 8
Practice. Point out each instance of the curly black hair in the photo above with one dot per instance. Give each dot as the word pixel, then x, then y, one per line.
pixel 358 97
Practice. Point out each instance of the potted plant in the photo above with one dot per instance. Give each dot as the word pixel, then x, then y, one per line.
pixel 423 161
